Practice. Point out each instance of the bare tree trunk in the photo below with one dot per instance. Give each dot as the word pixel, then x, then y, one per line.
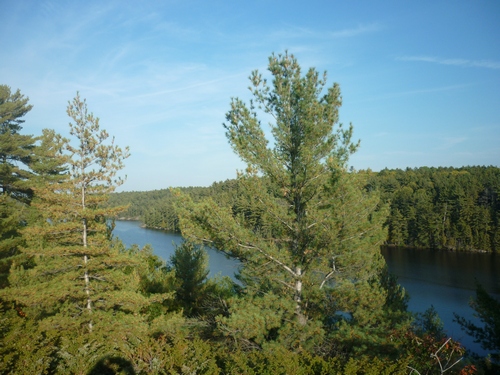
pixel 85 262
pixel 298 297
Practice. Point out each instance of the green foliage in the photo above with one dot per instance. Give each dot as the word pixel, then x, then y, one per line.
pixel 190 264
pixel 16 156
pixel 488 311
pixel 23 349
pixel 138 202
pixel 10 237
pixel 83 297
pixel 70 241
pixel 305 228
pixel 156 208
pixel 258 320
pixel 397 299
pixel 313 295
pixel 15 148
pixel 429 207
pixel 276 361
pixel 429 323
pixel 282 361
pixel 173 354
pixel 48 163
pixel 373 366
pixel 444 208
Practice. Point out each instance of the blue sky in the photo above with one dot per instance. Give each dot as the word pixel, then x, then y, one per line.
pixel 420 80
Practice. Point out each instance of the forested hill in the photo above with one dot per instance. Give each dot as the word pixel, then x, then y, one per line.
pixel 452 208
pixel 442 208
pixel 143 202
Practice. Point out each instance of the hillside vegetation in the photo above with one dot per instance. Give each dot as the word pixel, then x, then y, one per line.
pixel 437 208
pixel 313 296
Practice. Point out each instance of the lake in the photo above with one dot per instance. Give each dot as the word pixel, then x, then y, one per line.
pixel 163 243
pixel 443 279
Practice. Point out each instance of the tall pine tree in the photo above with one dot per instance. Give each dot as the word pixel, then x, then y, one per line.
pixel 83 289
pixel 16 152
pixel 304 228
pixel 15 148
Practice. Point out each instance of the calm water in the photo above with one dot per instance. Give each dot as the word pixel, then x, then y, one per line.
pixel 131 232
pixel 445 280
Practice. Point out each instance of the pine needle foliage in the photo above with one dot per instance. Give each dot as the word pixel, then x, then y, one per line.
pixel 16 152
pixel 487 309
pixel 15 148
pixel 304 227
pixel 84 290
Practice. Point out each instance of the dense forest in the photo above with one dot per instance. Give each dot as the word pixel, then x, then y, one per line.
pixel 437 208
pixel 313 294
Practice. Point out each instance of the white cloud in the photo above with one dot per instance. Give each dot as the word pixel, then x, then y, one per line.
pixel 294 32
pixel 489 64
pixel 449 142
pixel 361 29
pixel 429 90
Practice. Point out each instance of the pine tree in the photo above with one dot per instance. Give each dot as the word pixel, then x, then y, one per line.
pixel 15 148
pixel 10 237
pixel 190 263
pixel 83 290
pixel 72 241
pixel 304 228
pixel 16 152
pixel 487 309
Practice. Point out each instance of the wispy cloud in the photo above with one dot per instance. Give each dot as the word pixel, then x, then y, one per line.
pixel 489 64
pixel 429 90
pixel 189 87
pixel 449 142
pixel 359 30
pixel 295 32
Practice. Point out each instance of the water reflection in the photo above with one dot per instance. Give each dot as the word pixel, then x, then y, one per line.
pixel 445 280
pixel 457 270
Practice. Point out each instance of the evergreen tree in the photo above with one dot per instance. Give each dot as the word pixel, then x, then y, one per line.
pixel 16 152
pixel 15 148
pixel 10 237
pixel 84 293
pixel 303 227
pixel 190 263
pixel 444 208
pixel 74 228
pixel 488 311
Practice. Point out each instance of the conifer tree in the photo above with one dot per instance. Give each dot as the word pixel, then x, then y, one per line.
pixel 10 237
pixel 304 228
pixel 84 289
pixel 74 227
pixel 487 309
pixel 190 263
pixel 15 148
pixel 46 164
pixel 16 152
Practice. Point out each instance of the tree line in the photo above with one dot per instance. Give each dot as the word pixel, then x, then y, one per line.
pixel 313 294
pixel 437 208
pixel 444 208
